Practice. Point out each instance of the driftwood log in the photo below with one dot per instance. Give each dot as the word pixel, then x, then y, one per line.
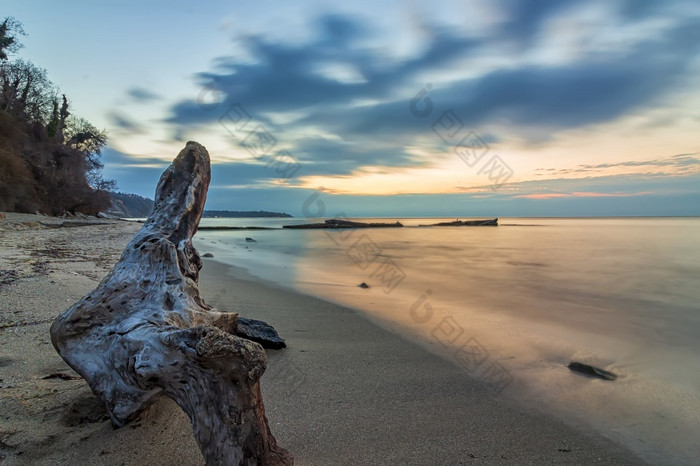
pixel 145 331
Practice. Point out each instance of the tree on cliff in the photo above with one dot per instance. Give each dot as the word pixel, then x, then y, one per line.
pixel 50 159
pixel 9 29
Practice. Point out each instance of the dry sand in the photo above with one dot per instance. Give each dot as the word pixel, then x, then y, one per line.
pixel 344 391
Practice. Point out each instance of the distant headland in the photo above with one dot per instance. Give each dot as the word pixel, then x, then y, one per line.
pixel 134 206
pixel 243 214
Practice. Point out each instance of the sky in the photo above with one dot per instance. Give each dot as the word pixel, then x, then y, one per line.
pixel 398 109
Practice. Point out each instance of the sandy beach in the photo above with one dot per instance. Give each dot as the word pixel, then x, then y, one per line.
pixel 344 391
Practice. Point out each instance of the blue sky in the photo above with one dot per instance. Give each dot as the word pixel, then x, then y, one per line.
pixel 501 108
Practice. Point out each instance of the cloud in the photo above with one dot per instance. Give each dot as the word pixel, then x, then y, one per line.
pixel 249 186
pixel 142 95
pixel 579 195
pixel 338 157
pixel 680 162
pixel 369 117
pixel 134 174
pixel 124 122
pixel 286 77
pixel 626 185
pixel 339 103
pixel 536 99
pixel 140 174
pixel 117 158
pixel 529 100
pixel 293 201
pixel 525 19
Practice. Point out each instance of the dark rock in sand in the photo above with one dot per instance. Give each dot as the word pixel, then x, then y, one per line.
pixel 260 332
pixel 207 254
pixel 8 276
pixel 85 410
pixel 592 371
pixel 61 375
pixel 73 224
pixel 363 285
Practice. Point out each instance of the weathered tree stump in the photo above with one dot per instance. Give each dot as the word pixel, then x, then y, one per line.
pixel 145 331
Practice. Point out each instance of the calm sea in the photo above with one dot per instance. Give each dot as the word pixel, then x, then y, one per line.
pixel 514 304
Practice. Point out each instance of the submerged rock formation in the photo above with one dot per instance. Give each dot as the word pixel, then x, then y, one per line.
pixel 491 222
pixel 336 223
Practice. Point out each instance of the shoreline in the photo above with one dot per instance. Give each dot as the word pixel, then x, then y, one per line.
pixel 344 391
pixel 386 389
pixel 648 413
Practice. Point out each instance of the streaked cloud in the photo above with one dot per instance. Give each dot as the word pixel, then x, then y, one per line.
pixel 143 95
pixel 123 122
pixel 579 195
pixel 529 77
pixel 674 164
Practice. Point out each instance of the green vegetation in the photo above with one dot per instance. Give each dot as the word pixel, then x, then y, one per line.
pixel 49 158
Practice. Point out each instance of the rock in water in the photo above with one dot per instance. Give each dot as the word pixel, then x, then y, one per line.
pixel 207 254
pixel 590 370
pixel 250 240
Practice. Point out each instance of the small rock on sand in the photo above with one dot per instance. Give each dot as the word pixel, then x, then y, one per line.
pixel 31 225
pixel 592 371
